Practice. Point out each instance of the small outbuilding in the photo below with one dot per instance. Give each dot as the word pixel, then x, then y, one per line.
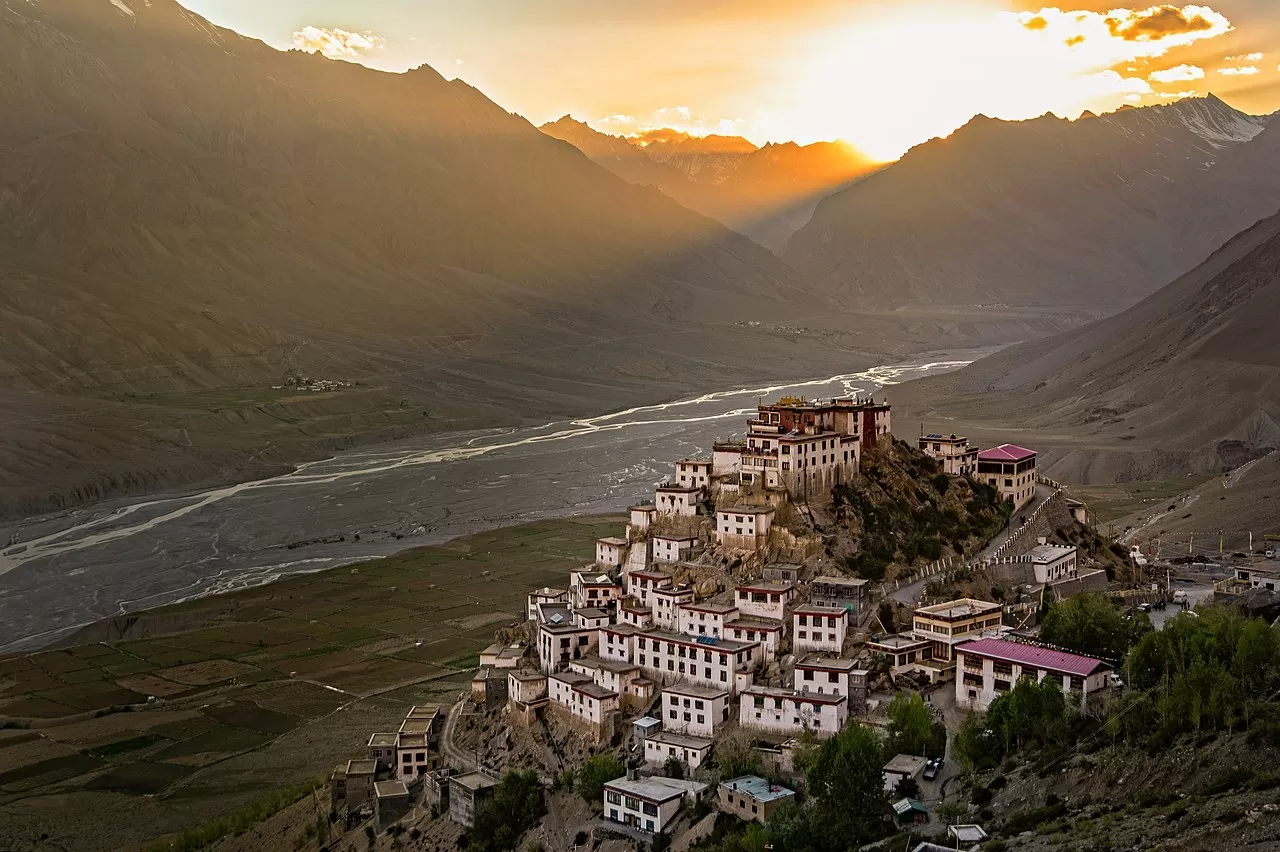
pixel 391 802
pixel 902 767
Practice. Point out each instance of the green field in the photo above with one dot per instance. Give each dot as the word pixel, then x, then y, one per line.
pixel 1112 502
pixel 273 685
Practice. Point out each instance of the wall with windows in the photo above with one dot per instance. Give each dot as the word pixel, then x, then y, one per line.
pixel 694 712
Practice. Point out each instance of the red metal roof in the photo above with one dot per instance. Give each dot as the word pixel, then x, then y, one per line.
pixel 1032 656
pixel 1006 452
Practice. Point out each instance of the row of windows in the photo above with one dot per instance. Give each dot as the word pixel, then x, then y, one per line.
pixel 817 620
pixel 816 637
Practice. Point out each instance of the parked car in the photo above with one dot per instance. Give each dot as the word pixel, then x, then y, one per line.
pixel 932 768
pixel 1146 607
pixel 1115 680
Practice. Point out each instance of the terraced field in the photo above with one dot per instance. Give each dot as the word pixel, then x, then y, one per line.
pixel 111 745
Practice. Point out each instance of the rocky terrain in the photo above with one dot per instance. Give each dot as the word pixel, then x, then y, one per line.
pixel 1186 381
pixel 1102 210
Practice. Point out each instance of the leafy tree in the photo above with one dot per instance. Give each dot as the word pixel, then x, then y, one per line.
pixel 673 768
pixel 516 807
pixel 910 724
pixel 847 784
pixel 736 755
pixel 805 751
pixel 977 746
pixel 594 774
pixel 1091 624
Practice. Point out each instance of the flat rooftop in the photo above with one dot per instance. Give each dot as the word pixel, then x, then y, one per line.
pixel 754 624
pixel 766 586
pixel 526 675
pixel 613 540
pixel 383 740
pixel 548 592
pixel 678 740
pixel 906 764
pixel 818 609
pixel 960 608
pixel 474 781
pixel 810 697
pixel 711 606
pixel 831 664
pixel 758 788
pixel 362 767
pixel 655 790
pixel 1043 553
pixel 856 582
pixel 695 690
pixel 710 643
pixel 746 510
pixel 897 641
pixel 390 789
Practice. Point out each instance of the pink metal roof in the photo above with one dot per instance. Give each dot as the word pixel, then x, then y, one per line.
pixel 1032 656
pixel 1006 452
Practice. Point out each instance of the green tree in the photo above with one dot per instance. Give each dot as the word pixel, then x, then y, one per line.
pixel 977 746
pixel 847 785
pixel 910 724
pixel 736 755
pixel 1091 624
pixel 594 774
pixel 516 807
pixel 673 768
pixel 805 751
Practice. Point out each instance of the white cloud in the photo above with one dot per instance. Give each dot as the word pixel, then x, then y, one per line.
pixel 1241 71
pixel 336 43
pixel 1246 57
pixel 1177 73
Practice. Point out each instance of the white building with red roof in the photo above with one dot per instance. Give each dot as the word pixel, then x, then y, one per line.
pixel 1011 470
pixel 988 668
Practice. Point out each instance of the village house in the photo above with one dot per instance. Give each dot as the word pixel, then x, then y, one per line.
pixel 1052 562
pixel 642 517
pixel 767 633
pixel 591 618
pixel 592 589
pixel 705 618
pixel 726 459
pixel 617 642
pixel 946 625
pixel 414 755
pixel 649 804
pixel 1011 470
pixel 360 777
pixel 781 572
pixel 639 583
pixel 526 687
pixel 818 628
pixel 545 595
pixel 765 598
pixel 489 687
pixel 558 644
pixel 691 709
pixel 582 697
pixel 391 803
pixel 611 551
pixel 744 527
pixel 751 798
pixel 467 795
pixel 680 500
pixel 674 547
pixel 381 749
pixel 667 657
pixel 991 667
pixel 787 711
pixel 902 767
pixel 832 676
pixel 849 593
pixel 952 452
pixel 666 604
pixel 694 473
pixel 501 656
pixel 661 746
pixel 620 677
pixel 635 613
pixel 905 652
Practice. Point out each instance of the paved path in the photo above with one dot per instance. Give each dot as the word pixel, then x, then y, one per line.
pixel 464 759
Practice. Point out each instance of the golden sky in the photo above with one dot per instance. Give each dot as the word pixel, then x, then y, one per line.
pixel 883 74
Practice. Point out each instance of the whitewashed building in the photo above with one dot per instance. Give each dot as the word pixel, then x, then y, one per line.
pixel 545 595
pixel 558 644
pixel 618 642
pixel 667 657
pixel 582 697
pixel 664 745
pixel 768 633
pixel 818 628
pixel 666 604
pixel 649 804
pixel 525 686
pixel 765 599
pixel 681 500
pixel 691 709
pixel 592 589
pixel 744 527
pixel 705 618
pixel 642 581
pixel 642 517
pixel 635 613
pixel 1052 562
pixel 611 551
pixel 988 668
pixel 694 472
pixel 952 452
pixel 674 547
pixel 832 676
pixel 786 711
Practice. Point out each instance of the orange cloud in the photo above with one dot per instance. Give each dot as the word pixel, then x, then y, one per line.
pixel 1177 73
pixel 336 43
pixel 1242 71
pixel 1161 22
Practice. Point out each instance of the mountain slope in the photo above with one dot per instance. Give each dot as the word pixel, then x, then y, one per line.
pixel 765 193
pixel 184 210
pixel 1101 210
pixel 1188 380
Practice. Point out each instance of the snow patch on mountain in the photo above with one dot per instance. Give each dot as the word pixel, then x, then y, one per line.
pixel 120 4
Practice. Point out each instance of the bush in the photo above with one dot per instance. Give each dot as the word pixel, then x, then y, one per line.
pixel 594 774
pixel 1228 780
pixel 1032 818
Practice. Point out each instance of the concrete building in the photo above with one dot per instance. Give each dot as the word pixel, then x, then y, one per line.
pixel 611 551
pixel 640 583
pixel 582 698
pixel 635 613
pixel 674 547
pixel 526 687
pixel 832 676
pixel 850 593
pixel 781 572
pixel 667 657
pixel 696 710
pixel 767 633
pixel 642 517
pixel 545 595
pixel 558 644
pixel 391 803
pixel 414 755
pixel 591 617
pixel 744 527
pixel 1011 470
pixel 592 589
pixel 666 604
pixel 905 652
pixel 618 642
pixel 786 711
pixel 818 628
pixel 501 656
pixel 903 766
pixel 661 746
pixel 751 798
pixel 695 473
pixel 946 625
pixel 1052 562
pixel 381 749
pixel 952 452
pixel 679 500
pixel 705 618
pixel 648 804
pixel 467 794
pixel 360 775
pixel 765 598
pixel 991 667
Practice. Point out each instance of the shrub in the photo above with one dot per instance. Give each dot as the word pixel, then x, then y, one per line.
pixel 594 774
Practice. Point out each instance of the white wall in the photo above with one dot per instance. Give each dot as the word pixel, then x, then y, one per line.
pixel 827 635
pixel 702 720
pixel 791 714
